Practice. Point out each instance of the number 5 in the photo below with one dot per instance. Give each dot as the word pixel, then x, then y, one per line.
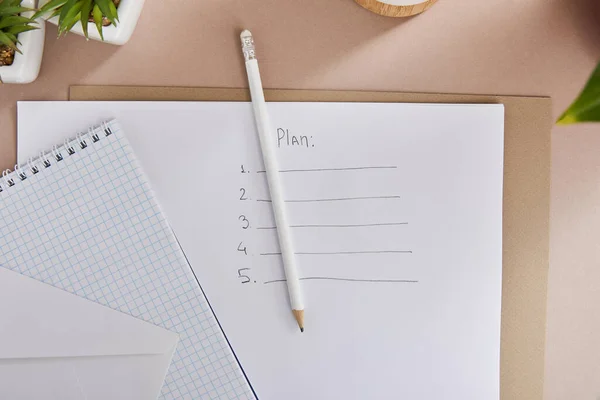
pixel 245 278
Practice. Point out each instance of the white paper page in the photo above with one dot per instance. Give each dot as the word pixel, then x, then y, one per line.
pixel 41 321
pixel 73 348
pixel 408 303
pixel 133 377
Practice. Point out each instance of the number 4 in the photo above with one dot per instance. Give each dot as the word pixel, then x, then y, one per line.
pixel 244 249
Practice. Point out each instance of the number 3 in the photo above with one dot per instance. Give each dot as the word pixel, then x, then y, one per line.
pixel 245 221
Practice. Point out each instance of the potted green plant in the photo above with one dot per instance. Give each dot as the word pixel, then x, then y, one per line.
pixel 21 42
pixel 586 108
pixel 114 20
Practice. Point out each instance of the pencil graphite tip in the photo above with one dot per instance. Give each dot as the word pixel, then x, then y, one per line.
pixel 299 315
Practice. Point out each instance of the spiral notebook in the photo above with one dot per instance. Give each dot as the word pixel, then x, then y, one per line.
pixel 84 219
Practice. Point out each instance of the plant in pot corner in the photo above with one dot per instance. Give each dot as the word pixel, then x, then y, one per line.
pixel 21 42
pixel 114 20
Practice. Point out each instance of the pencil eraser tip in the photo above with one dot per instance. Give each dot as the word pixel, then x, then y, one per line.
pixel 245 33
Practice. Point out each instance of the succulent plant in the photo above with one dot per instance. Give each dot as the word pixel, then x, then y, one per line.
pixel 12 23
pixel 70 12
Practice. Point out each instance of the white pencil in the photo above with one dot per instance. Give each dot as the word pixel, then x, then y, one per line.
pixel 267 144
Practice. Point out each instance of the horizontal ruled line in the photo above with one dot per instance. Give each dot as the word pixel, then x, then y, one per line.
pixel 333 169
pixel 343 253
pixel 326 278
pixel 333 199
pixel 339 226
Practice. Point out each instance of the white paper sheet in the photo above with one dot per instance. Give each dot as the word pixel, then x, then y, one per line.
pixel 56 345
pixel 397 215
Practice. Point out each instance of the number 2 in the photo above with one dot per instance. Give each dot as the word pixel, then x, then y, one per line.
pixel 243 196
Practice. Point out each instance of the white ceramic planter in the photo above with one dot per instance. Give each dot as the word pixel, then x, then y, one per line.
pixel 26 66
pixel 129 13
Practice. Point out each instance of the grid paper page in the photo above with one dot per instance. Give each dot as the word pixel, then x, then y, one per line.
pixel 89 224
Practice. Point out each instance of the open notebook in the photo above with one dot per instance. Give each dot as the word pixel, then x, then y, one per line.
pixel 83 218
pixel 397 221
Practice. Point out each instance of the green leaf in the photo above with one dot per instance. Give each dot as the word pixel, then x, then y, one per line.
pixel 86 9
pixel 65 10
pixel 113 12
pixel 7 22
pixel 9 3
pixel 105 8
pixel 54 13
pixel 49 6
pixel 70 17
pixel 97 15
pixel 15 30
pixel 13 10
pixel 72 20
pixel 13 3
pixel 71 23
pixel 4 39
pixel 586 108
pixel 12 37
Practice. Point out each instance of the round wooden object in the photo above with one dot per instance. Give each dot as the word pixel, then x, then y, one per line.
pixel 389 9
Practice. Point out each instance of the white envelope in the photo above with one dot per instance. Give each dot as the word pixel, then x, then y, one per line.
pixel 55 345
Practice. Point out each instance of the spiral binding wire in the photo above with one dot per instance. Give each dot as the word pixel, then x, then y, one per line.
pixel 45 160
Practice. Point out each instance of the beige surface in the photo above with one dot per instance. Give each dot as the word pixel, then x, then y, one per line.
pixel 525 214
pixel 534 47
